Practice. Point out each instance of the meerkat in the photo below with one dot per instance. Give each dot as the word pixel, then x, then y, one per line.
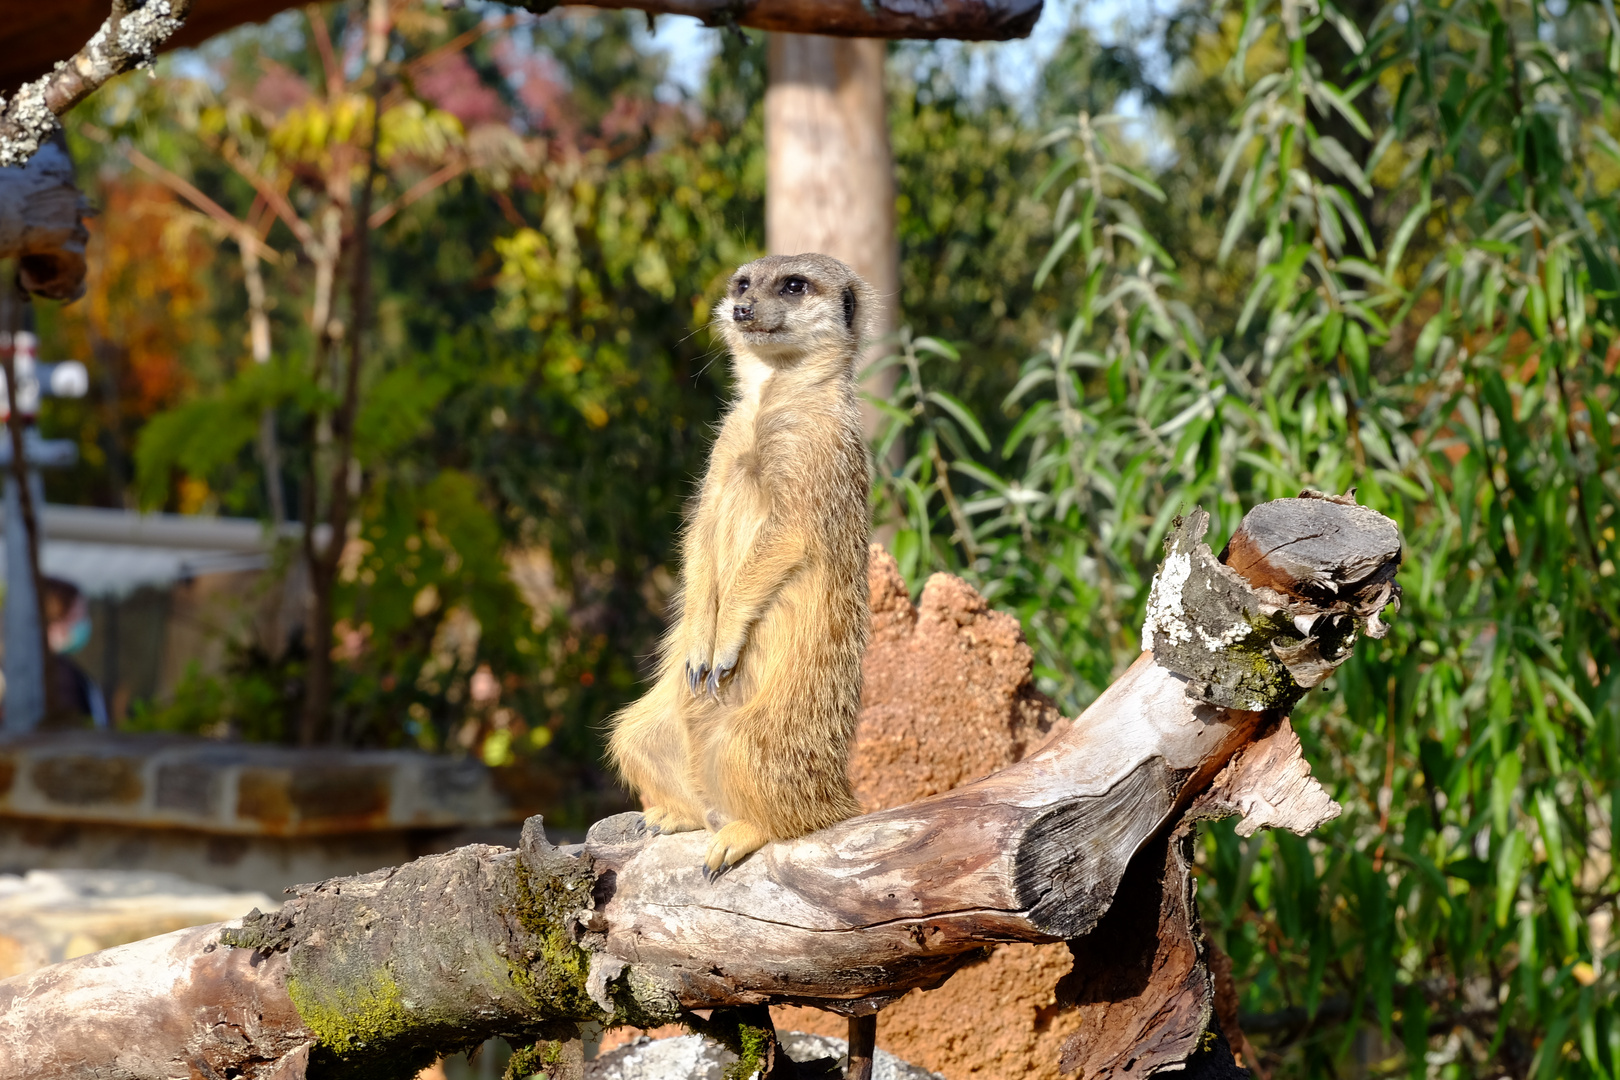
pixel 746 730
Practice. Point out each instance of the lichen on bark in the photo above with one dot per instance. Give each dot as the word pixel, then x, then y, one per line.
pixel 1261 647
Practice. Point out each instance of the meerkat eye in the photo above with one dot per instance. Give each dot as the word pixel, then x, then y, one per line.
pixel 795 286
pixel 742 285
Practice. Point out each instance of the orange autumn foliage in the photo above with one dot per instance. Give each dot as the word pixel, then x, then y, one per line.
pixel 145 298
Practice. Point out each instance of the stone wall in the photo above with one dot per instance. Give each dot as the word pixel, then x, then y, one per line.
pixel 246 816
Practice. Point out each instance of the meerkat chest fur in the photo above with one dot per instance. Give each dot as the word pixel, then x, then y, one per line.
pixel 789 453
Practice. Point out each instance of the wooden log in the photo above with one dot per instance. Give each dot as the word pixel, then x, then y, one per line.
pixel 42 214
pixel 967 20
pixel 1078 841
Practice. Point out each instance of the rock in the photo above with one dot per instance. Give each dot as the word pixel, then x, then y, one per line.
pixel 692 1057
pixel 947 692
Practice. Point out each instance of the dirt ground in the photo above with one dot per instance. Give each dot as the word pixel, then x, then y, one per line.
pixel 948 698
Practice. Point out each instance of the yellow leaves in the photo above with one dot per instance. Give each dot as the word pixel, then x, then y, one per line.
pixel 309 132
pixel 195 496
pixel 530 279
pixel 652 271
pixel 411 130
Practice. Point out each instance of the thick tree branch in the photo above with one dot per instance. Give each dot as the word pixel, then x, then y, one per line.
pixel 1083 840
pixel 968 20
pixel 130 38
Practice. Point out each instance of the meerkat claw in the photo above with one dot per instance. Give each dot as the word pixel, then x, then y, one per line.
pixel 695 677
pixel 719 675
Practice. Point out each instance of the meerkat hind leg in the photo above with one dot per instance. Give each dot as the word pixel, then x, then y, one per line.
pixel 732 843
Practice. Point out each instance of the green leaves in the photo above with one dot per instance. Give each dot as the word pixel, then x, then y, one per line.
pixel 212 434
pixel 1421 293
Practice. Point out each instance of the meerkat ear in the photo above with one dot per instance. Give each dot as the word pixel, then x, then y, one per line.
pixel 849 308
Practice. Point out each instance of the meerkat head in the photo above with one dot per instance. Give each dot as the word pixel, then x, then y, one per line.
pixel 783 309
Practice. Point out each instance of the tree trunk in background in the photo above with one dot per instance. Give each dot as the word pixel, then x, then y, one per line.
pixel 829 172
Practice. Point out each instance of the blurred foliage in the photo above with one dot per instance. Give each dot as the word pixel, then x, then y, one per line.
pixel 539 327
pixel 1417 205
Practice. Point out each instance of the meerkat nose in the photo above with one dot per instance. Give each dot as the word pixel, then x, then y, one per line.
pixel 743 313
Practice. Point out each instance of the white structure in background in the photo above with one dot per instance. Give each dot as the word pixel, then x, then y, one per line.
pixel 165 591
pixel 111 554
pixel 25 656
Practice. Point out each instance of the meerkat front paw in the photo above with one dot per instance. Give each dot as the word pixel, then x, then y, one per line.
pixel 699 662
pixel 697 671
pixel 726 659
pixel 663 819
pixel 698 634
pixel 733 843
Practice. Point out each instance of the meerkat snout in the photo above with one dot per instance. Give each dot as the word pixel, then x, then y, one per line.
pixel 787 310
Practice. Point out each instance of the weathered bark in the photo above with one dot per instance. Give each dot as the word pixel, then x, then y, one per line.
pixel 1084 841
pixel 968 20
pixel 42 214
pixel 128 39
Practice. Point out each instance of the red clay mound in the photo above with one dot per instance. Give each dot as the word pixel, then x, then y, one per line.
pixel 947 695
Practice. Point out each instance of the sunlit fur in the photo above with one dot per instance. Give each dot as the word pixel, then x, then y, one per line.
pixel 774 593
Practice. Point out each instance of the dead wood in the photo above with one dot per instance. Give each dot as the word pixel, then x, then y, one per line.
pixel 129 38
pixel 42 214
pixel 970 20
pixel 1084 840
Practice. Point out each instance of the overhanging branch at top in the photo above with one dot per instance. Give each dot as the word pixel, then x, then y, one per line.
pixel 131 37
pixel 964 20
pixel 136 30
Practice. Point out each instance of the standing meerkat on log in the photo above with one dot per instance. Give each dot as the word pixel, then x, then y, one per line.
pixel 746 731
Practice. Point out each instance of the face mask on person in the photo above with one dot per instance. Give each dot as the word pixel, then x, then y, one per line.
pixel 77 637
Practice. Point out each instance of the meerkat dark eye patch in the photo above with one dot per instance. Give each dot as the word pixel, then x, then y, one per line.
pixel 742 285
pixel 795 286
pixel 849 308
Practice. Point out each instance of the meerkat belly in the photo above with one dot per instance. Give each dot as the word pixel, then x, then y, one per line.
pixel 740 510
pixel 803 641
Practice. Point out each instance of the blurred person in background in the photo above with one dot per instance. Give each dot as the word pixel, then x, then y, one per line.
pixel 74 694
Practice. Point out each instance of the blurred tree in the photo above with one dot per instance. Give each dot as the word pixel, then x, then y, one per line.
pixel 330 166
pixel 531 408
